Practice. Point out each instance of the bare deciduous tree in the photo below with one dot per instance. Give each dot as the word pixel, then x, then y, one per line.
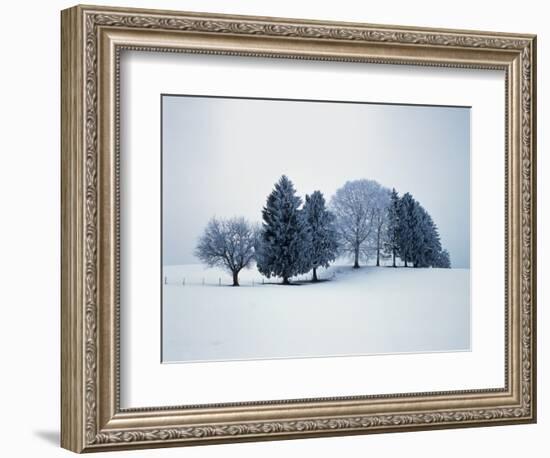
pixel 355 205
pixel 228 243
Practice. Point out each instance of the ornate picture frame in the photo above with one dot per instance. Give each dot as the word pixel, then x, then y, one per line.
pixel 92 41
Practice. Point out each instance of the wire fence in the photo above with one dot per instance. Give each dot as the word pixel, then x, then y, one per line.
pixel 174 280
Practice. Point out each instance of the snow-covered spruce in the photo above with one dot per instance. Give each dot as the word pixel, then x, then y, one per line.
pixel 285 236
pixel 413 235
pixel 228 243
pixel 443 260
pixel 429 245
pixel 407 228
pixel 391 236
pixel 323 247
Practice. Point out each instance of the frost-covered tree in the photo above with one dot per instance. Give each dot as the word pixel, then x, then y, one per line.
pixel 391 236
pixel 323 247
pixel 427 243
pixel 380 220
pixel 354 205
pixel 285 235
pixel 228 243
pixel 408 228
pixel 443 260
pixel 418 240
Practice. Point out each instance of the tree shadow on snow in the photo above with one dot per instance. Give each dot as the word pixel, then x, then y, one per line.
pixel 296 282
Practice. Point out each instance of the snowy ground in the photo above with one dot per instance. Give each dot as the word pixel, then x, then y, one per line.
pixel 365 311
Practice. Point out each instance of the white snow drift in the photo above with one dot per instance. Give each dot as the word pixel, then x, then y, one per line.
pixel 371 310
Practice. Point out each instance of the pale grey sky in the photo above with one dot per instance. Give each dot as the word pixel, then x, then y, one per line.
pixel 222 156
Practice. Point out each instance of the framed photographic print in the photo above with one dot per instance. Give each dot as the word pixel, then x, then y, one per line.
pixel 278 228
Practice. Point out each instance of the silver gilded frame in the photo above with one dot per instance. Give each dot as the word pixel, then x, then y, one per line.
pixel 92 41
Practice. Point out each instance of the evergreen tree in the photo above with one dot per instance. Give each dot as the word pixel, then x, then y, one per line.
pixel 323 248
pixel 433 241
pixel 408 229
pixel 443 260
pixel 391 237
pixel 418 237
pixel 285 235
pixel 427 243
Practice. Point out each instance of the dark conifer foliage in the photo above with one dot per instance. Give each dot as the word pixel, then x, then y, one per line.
pixel 391 238
pixel 413 234
pixel 443 260
pixel 321 222
pixel 285 236
pixel 428 246
pixel 407 228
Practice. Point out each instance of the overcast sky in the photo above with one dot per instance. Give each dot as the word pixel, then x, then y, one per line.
pixel 222 156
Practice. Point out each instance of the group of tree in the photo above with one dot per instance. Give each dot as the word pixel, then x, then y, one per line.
pixel 364 220
pixel 373 221
pixel 412 234
pixel 294 237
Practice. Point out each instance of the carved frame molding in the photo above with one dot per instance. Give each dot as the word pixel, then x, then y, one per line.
pixel 92 39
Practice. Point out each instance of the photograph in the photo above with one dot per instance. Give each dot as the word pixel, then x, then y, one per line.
pixel 313 228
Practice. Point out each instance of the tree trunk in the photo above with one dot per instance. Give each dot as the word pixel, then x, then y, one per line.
pixel 356 263
pixel 406 263
pixel 315 274
pixel 393 252
pixel 235 278
pixel 378 248
pixel 286 281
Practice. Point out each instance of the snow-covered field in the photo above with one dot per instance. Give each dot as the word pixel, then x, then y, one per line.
pixel 371 310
